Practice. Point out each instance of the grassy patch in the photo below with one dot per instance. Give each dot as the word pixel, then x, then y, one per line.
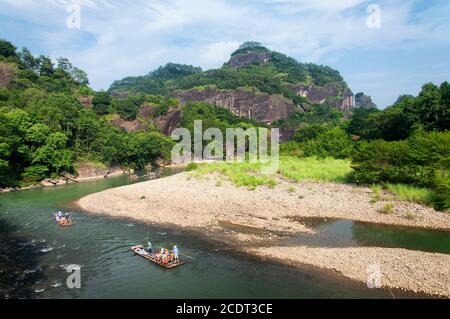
pixel 412 194
pixel 292 189
pixel 191 167
pixel 411 215
pixel 387 209
pixel 313 169
pixel 295 169
pixel 240 174
pixel 377 193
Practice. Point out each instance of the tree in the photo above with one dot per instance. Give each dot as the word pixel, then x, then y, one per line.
pixel 359 121
pixel 7 49
pixel 54 155
pixel 28 60
pixel 250 45
pixel 79 76
pixel 101 103
pixel 46 67
pixel 64 64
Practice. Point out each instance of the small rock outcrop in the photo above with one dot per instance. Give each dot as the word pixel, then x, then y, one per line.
pixel 332 94
pixel 166 123
pixel 245 59
pixel 7 74
pixel 364 101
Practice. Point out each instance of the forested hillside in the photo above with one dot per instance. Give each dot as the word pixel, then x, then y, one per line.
pixel 50 119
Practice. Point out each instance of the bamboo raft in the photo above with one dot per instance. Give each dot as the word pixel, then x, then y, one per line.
pixel 140 251
pixel 63 224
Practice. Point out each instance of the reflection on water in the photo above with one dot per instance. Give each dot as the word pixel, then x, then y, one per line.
pixel 347 233
pixel 40 252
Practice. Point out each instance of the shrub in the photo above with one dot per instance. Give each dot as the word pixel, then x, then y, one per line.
pixel 191 167
pixel 387 209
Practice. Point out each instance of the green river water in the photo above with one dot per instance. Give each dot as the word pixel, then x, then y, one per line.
pixel 35 252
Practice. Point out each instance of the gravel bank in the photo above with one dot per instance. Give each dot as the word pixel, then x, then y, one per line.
pixel 404 269
pixel 188 202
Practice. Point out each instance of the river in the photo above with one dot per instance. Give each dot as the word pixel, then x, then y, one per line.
pixel 35 253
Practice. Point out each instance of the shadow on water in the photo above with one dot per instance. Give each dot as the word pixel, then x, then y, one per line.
pixel 19 264
pixel 347 233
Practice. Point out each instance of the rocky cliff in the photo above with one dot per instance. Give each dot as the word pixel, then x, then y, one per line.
pixel 247 102
pixel 245 59
pixel 256 83
pixel 362 100
pixel 332 94
pixel 7 74
pixel 166 123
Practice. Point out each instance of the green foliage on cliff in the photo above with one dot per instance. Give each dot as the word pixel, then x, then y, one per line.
pixel 44 129
pixel 317 114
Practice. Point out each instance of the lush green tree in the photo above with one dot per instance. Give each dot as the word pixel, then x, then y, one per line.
pixel 46 67
pixel 423 160
pixel 7 49
pixel 54 155
pixel 334 142
pixel 28 60
pixel 360 121
pixel 101 103
pixel 309 132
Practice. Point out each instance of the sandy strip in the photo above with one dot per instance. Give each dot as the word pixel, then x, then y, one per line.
pixel 184 201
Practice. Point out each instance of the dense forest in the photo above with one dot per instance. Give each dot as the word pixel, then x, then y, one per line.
pixel 45 130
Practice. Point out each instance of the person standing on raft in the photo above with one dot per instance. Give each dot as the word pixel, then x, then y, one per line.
pixel 176 252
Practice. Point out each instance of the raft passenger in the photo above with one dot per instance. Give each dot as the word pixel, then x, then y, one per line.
pixel 176 252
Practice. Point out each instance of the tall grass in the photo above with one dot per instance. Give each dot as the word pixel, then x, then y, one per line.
pixel 295 169
pixel 412 194
pixel 377 193
pixel 313 169
pixel 240 174
pixel 309 169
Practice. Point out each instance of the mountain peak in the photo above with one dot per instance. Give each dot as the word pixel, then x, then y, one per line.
pixel 249 52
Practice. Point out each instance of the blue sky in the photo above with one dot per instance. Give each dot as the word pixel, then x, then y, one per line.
pixel 121 38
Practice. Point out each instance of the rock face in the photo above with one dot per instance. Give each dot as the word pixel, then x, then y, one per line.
pixel 165 123
pixel 241 60
pixel 342 100
pixel 242 102
pixel 7 74
pixel 362 100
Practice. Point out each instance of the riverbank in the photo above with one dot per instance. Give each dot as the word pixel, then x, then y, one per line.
pixel 257 220
pixel 61 182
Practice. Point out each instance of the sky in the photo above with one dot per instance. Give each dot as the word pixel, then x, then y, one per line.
pixel 383 48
